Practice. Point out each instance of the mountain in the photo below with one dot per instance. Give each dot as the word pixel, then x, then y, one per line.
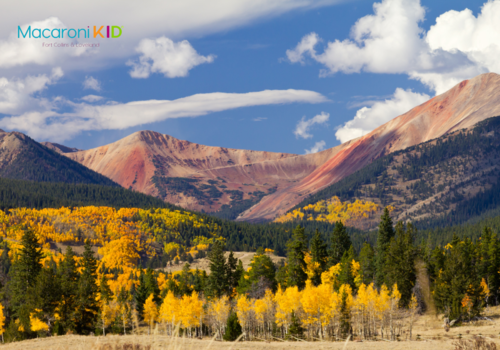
pixel 59 148
pixel 25 159
pixel 463 106
pixel 260 186
pixel 195 176
pixel 442 182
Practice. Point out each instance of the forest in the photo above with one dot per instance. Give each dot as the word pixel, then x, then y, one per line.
pixel 327 289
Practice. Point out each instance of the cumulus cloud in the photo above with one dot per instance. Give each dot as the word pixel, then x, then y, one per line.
pixel 380 112
pixel 59 126
pixel 163 55
pixel 91 83
pixel 17 95
pixel 92 98
pixel 303 126
pixel 458 46
pixel 318 146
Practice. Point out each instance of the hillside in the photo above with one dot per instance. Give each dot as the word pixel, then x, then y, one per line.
pixel 194 176
pixel 25 159
pixel 450 179
pixel 461 107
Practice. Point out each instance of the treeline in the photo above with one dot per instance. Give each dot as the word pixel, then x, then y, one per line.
pixel 38 195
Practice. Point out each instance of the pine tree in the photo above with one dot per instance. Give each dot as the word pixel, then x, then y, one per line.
pixel 69 285
pixel 366 257
pixel 104 291
pixel 297 249
pixel 319 255
pixel 400 262
pixel 339 243
pixel 385 233
pixel 141 294
pixel 233 328
pixel 87 306
pixel 295 330
pixel 47 294
pixel 345 276
pixel 152 285
pixel 217 280
pixel 24 273
pixel 232 273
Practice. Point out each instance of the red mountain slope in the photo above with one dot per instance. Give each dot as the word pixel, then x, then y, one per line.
pixel 461 107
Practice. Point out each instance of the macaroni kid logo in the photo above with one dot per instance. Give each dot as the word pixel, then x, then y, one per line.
pixel 59 33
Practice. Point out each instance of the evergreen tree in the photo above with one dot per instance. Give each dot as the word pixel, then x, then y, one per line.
pixel 297 249
pixel 339 243
pixel 233 327
pixel 489 263
pixel 385 233
pixel 152 285
pixel 217 280
pixel 345 315
pixel 46 294
pixel 232 273
pixel 346 276
pixel 366 257
pixel 23 274
pixel 86 298
pixel 459 281
pixel 141 294
pixel 69 284
pixel 104 290
pixel 400 263
pixel 319 255
pixel 295 331
pixel 185 280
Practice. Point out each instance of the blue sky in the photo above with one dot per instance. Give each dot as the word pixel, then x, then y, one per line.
pixel 248 50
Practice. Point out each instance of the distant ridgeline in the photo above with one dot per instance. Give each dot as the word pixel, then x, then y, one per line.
pixel 36 162
pixel 442 182
pixel 38 195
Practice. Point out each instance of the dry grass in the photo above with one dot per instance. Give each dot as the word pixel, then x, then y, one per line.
pixel 428 327
pixel 203 264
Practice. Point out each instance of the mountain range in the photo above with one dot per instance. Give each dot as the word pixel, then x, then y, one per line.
pixel 253 185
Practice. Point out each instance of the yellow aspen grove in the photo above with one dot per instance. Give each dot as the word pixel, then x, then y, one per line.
pixel 394 301
pixel 264 313
pixel 191 312
pixel 108 311
pixel 246 313
pixel 316 305
pixel 218 312
pixel 150 312
pixel 169 312
pixel 286 302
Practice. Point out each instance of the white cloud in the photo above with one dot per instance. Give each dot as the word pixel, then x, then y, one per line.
pixel 16 95
pixel 49 124
pixel 259 119
pixel 92 98
pixel 163 55
pixel 303 126
pixel 177 20
pixel 306 45
pixel 318 146
pixel 380 112
pixel 91 83
pixel 459 46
